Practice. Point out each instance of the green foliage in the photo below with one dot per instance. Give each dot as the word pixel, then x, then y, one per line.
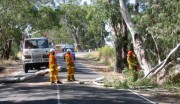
pixel 106 51
pixel 15 50
pixel 115 82
pixel 139 82
pixel 12 20
pixel 161 19
pixel 144 83
pixel 107 55
pixel 171 86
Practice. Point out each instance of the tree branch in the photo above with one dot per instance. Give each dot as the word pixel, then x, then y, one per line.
pixel 163 63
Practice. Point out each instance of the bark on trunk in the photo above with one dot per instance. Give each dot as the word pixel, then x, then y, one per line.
pixel 75 38
pixel 118 49
pixel 119 61
pixel 139 48
pixel 76 41
pixel 7 49
pixel 136 7
pixel 124 43
pixel 157 49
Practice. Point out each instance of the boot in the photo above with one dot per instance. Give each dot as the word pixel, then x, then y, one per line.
pixel 68 78
pixel 52 82
pixel 58 82
pixel 73 79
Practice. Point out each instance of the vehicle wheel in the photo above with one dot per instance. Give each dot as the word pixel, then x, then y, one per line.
pixel 26 68
pixel 47 65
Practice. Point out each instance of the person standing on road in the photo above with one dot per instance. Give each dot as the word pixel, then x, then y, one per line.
pixel 70 66
pixel 54 68
pixel 133 65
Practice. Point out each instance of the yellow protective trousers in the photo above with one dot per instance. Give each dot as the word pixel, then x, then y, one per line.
pixel 70 73
pixel 53 68
pixel 70 67
pixel 54 76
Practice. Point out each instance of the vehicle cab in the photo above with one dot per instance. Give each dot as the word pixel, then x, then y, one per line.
pixel 35 53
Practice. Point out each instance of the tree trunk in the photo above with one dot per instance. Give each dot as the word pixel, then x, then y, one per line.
pixel 136 7
pixel 156 48
pixel 76 41
pixel 7 49
pixel 118 49
pixel 75 38
pixel 139 48
pixel 124 43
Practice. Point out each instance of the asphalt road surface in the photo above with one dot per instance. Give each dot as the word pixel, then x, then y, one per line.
pixel 40 91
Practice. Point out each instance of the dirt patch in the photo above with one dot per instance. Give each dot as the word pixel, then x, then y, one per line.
pixel 10 68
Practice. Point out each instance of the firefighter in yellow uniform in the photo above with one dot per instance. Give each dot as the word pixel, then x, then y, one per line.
pixel 70 66
pixel 54 68
pixel 133 65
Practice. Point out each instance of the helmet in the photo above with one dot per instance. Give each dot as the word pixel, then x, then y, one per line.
pixel 68 50
pixel 130 53
pixel 52 50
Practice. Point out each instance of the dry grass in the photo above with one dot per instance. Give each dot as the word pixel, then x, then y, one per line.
pixel 10 67
pixel 6 63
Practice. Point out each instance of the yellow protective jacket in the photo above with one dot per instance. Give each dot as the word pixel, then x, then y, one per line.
pixel 132 62
pixel 69 61
pixel 52 62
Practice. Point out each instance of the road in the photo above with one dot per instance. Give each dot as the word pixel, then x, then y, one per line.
pixel 40 91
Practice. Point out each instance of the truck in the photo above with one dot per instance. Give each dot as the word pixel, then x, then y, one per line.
pixel 35 53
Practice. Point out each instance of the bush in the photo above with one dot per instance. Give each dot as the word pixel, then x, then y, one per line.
pixel 14 51
pixel 116 82
pixel 139 82
pixel 107 55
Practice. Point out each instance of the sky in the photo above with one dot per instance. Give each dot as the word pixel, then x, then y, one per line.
pixel 88 1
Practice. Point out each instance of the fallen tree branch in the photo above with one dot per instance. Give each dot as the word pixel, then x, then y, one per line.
pixel 163 63
pixel 166 60
pixel 24 78
pixel 153 69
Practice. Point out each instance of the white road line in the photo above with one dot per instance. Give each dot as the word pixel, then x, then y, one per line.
pixel 58 95
pixel 142 97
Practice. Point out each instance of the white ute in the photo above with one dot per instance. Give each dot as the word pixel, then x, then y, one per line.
pixel 35 53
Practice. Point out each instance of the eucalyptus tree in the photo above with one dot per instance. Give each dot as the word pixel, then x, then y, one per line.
pixel 96 20
pixel 12 12
pixel 152 21
pixel 160 19
pixel 84 24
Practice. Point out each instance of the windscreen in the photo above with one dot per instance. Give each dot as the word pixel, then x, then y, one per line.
pixel 36 43
pixel 65 49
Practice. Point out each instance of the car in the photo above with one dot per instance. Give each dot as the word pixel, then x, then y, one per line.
pixel 72 51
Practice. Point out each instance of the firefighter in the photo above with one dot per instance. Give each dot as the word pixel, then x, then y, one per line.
pixel 70 66
pixel 133 65
pixel 54 68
